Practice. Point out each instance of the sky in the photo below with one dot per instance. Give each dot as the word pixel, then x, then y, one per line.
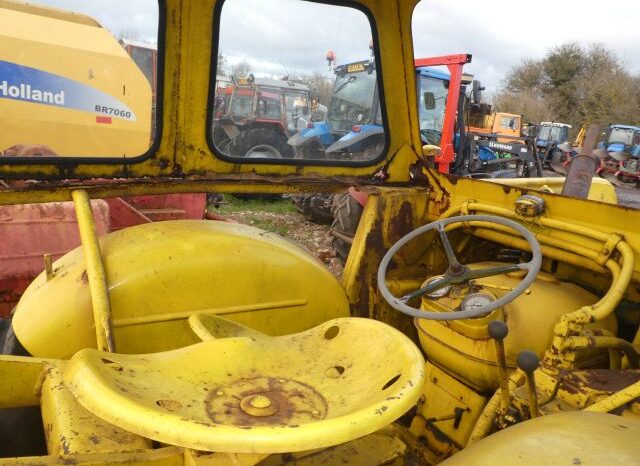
pixel 497 33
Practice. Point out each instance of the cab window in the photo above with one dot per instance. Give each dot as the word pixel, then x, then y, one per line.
pixel 316 82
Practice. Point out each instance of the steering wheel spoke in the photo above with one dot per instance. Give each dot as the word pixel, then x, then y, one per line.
pixel 491 271
pixel 455 267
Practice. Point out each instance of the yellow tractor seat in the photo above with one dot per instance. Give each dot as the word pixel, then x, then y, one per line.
pixel 254 393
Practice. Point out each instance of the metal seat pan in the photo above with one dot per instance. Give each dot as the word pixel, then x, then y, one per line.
pixel 257 394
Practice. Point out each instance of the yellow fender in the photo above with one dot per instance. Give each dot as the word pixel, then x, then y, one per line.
pixel 160 274
pixel 566 438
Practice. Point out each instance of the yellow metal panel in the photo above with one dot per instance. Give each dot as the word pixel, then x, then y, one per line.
pixel 170 456
pixel 71 429
pixel 314 389
pixel 601 190
pixel 566 438
pixel 372 450
pixel 20 379
pixel 443 395
pixel 200 458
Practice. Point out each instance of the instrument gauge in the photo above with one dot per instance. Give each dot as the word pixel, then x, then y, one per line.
pixel 475 301
pixel 442 292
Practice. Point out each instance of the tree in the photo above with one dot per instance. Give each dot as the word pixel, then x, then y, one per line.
pixel 241 69
pixel 573 85
pixel 221 67
pixel 319 85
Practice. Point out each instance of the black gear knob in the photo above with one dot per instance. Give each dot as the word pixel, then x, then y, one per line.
pixel 527 361
pixel 498 330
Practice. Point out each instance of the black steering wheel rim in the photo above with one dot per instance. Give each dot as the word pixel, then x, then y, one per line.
pixel 532 267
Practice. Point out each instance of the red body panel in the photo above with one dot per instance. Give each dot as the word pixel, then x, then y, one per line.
pixel 29 231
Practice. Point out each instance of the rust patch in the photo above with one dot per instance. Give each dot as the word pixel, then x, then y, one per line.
pixel 610 381
pixel 403 223
pixel 599 380
pixel 374 245
pixel 297 403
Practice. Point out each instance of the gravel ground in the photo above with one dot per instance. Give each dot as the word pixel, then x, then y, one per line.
pixel 281 217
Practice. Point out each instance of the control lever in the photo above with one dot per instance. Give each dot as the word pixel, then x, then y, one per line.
pixel 528 362
pixel 498 330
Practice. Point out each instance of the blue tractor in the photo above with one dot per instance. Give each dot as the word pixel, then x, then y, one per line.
pixel 620 153
pixel 353 128
pixel 622 138
pixel 549 135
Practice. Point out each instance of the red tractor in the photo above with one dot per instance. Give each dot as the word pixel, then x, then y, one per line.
pixel 254 117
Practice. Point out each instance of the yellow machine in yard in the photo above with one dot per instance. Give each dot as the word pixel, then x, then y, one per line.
pixel 476 323
pixel 65 69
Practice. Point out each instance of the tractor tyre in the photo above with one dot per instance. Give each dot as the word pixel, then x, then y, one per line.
pixel 314 207
pixel 346 216
pixel 21 429
pixel 261 143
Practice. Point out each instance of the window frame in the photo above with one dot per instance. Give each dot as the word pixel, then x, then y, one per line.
pixel 157 130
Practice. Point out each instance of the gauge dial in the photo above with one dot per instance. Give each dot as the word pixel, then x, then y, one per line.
pixel 475 301
pixel 438 293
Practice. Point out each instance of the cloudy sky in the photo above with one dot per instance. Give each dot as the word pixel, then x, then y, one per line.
pixel 496 32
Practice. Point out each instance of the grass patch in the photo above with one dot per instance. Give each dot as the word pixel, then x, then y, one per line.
pixel 269 225
pixel 232 204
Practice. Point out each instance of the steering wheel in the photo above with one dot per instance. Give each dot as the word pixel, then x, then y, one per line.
pixel 458 273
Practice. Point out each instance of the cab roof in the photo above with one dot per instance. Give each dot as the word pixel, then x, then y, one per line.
pixel 430 72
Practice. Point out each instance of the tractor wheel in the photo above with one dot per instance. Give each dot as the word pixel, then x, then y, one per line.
pixel 21 429
pixel 346 216
pixel 261 143
pixel 314 207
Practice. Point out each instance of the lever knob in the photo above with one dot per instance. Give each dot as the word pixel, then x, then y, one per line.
pixel 527 361
pixel 498 330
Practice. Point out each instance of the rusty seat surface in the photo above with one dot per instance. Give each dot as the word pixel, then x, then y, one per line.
pixel 257 394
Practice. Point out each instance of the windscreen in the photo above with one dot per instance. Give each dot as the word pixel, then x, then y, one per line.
pixel 432 119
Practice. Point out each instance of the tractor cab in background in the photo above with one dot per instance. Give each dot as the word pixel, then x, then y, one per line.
pixel 353 115
pixel 549 135
pixel 620 154
pixel 253 117
pixel 622 138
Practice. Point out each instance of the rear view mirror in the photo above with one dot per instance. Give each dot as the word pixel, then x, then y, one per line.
pixel 429 100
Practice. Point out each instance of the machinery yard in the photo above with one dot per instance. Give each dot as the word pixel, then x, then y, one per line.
pixel 304 233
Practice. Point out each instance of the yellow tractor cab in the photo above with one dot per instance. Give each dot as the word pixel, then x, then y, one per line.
pixel 475 322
